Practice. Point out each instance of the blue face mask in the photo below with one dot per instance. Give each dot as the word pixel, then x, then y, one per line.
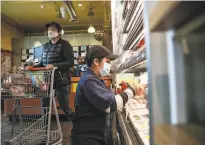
pixel 106 69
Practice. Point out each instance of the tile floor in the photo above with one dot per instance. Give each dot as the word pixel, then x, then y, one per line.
pixel 65 125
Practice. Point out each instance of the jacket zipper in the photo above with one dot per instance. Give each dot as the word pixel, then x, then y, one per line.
pixel 47 55
pixel 60 75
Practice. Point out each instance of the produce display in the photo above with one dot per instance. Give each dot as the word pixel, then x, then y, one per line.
pixel 137 112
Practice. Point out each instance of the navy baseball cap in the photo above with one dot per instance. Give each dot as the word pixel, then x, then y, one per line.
pixel 54 24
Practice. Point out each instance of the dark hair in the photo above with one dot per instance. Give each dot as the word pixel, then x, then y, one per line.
pixel 90 62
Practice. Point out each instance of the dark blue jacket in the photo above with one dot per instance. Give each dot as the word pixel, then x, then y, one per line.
pixel 92 99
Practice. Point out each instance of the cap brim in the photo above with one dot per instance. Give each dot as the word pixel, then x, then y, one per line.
pixel 112 56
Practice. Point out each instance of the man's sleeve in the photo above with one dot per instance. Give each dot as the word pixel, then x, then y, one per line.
pixel 68 55
pixel 99 96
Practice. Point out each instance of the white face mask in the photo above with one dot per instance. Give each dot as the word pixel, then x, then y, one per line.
pixel 52 34
pixel 106 70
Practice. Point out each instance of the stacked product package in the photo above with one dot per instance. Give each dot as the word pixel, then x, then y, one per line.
pixel 136 108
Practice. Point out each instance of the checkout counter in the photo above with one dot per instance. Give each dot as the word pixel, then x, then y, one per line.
pixel 8 104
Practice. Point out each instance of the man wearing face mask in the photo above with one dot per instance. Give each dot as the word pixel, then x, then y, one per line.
pixel 94 102
pixel 58 53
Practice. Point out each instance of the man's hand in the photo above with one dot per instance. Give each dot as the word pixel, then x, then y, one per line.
pixel 49 66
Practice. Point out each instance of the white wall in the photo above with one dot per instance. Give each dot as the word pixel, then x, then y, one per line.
pixel 29 42
pixel 74 39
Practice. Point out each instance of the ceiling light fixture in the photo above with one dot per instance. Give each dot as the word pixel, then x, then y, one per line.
pixel 80 5
pixel 42 5
pixel 91 29
pixel 63 12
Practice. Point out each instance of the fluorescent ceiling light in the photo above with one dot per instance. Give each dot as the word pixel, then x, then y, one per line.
pixel 80 5
pixel 42 5
pixel 91 29
pixel 63 12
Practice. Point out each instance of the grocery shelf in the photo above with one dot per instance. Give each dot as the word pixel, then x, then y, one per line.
pixel 174 14
pixel 128 15
pixel 135 40
pixel 135 130
pixel 139 67
pixel 131 137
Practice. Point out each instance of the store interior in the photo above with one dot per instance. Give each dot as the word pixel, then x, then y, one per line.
pixel 160 47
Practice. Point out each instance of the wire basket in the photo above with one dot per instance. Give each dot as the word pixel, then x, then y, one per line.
pixel 29 84
pixel 17 128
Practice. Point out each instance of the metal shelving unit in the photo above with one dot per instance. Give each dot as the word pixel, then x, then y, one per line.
pixel 128 32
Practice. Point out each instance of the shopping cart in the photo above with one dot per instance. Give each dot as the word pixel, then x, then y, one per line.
pixel 29 125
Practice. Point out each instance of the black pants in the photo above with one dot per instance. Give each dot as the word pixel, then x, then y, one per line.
pixel 84 140
pixel 63 100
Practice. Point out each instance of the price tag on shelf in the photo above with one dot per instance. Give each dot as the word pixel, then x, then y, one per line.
pixel 143 55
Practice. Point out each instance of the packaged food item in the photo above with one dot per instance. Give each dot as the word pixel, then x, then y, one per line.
pixel 136 118
pixel 144 135
pixel 144 101
pixel 145 117
pixel 141 126
pixel 139 112
pixel 36 81
pixel 17 90
pixel 7 83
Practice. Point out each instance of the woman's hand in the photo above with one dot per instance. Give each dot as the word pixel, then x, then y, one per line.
pixel 49 66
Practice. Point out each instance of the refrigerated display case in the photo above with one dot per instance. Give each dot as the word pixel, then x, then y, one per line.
pixel 163 39
pixel 128 42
